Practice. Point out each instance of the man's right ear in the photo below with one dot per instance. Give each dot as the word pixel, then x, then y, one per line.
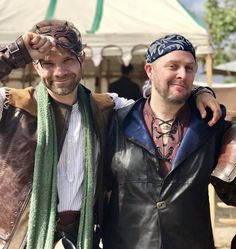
pixel 148 68
pixel 36 65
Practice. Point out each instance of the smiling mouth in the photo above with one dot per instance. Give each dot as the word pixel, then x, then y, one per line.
pixel 179 88
pixel 62 80
pixel 179 85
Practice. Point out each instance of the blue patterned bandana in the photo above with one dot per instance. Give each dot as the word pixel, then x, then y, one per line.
pixel 168 44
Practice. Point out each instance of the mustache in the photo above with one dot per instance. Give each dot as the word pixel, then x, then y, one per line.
pixel 62 78
pixel 178 82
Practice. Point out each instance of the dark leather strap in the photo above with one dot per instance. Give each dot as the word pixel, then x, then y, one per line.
pixel 68 217
pixel 67 226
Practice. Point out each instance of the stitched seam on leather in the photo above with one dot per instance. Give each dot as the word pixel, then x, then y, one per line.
pixel 7 98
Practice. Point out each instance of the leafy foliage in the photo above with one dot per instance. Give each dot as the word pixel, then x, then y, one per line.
pixel 221 20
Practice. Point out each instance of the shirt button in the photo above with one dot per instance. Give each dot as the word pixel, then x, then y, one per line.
pixel 161 204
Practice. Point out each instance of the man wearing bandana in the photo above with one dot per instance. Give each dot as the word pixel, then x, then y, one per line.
pixel 162 155
pixel 52 143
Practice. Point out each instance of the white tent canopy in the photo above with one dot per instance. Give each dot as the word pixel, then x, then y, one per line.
pixel 108 27
pixel 228 68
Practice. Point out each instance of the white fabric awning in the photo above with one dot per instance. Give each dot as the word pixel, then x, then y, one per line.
pixel 120 27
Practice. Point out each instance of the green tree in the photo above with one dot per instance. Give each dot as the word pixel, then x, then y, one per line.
pixel 221 20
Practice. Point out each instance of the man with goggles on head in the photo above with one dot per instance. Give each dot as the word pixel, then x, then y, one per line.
pixel 52 145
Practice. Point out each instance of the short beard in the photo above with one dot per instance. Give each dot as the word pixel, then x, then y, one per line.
pixel 171 98
pixel 176 100
pixel 62 91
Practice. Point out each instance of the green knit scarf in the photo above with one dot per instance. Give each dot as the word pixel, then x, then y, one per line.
pixel 42 218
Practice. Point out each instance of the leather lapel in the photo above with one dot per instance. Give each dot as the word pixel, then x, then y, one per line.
pixel 135 128
pixel 196 135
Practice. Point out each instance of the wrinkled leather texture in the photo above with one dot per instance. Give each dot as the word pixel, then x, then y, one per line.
pixel 224 175
pixel 102 110
pixel 148 212
pixel 17 148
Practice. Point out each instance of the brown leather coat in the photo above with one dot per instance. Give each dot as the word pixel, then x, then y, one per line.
pixel 18 128
pixel 18 133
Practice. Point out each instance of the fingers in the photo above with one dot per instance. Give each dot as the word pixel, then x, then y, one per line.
pixel 202 110
pixel 38 45
pixel 205 100
pixel 217 113
pixel 42 43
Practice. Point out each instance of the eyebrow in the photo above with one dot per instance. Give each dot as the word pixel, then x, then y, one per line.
pixel 64 57
pixel 179 61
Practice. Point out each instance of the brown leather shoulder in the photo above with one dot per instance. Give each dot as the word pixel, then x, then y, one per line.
pixel 226 166
pixel 23 99
pixel 103 100
pixel 223 177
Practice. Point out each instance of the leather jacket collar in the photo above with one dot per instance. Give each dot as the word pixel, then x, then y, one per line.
pixel 198 132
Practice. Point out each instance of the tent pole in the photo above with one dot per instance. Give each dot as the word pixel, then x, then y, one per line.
pixel 98 79
pixel 108 76
pixel 209 63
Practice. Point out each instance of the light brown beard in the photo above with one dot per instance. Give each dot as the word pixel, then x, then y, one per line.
pixel 170 97
pixel 176 100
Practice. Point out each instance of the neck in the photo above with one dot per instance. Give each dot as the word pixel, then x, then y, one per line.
pixel 163 109
pixel 68 99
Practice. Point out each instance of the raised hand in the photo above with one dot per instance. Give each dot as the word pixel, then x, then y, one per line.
pixel 38 45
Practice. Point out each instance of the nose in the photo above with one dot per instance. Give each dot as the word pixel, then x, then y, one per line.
pixel 59 70
pixel 181 73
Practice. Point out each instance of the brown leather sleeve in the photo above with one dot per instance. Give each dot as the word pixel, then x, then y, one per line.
pixel 13 56
pixel 223 177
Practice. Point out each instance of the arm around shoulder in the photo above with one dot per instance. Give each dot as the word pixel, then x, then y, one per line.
pixel 205 98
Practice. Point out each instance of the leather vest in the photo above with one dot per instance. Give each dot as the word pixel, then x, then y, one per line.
pixel 147 211
pixel 18 135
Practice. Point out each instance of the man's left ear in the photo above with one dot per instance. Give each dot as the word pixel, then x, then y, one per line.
pixel 81 59
pixel 83 56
